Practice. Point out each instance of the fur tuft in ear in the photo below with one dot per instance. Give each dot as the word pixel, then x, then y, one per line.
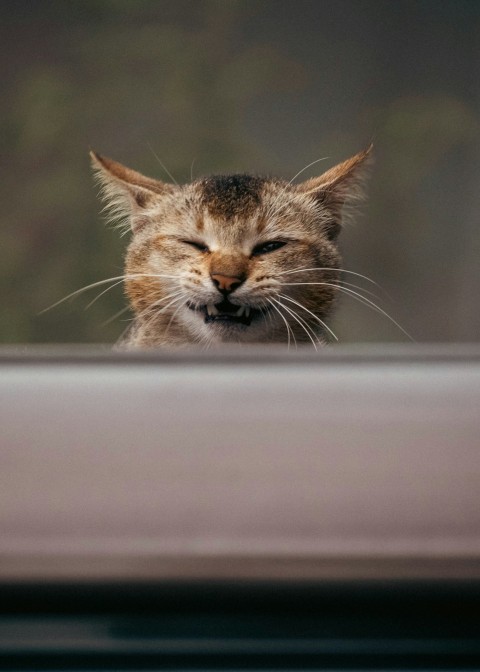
pixel 127 194
pixel 339 186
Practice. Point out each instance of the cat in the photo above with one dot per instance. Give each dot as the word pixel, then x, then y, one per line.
pixel 230 258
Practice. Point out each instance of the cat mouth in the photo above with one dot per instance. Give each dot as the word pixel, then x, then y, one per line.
pixel 227 312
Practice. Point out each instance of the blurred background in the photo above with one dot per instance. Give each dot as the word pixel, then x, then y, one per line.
pixel 264 86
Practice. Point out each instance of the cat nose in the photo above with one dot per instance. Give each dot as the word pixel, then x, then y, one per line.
pixel 226 283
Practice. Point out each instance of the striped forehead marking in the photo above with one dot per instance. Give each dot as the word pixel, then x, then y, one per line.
pixel 228 196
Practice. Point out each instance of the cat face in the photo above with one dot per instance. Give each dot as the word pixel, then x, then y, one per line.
pixel 230 259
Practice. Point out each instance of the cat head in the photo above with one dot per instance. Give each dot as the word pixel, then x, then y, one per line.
pixel 230 258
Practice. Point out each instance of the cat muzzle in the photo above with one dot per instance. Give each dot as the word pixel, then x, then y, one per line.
pixel 227 312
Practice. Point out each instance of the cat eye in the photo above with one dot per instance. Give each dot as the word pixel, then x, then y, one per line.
pixel 265 248
pixel 197 245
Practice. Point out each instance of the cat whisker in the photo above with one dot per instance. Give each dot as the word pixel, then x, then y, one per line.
pixel 267 316
pixel 264 315
pixel 142 314
pixel 270 301
pixel 150 312
pixel 365 291
pixel 80 291
pixel 359 297
pixel 153 315
pixel 304 325
pixel 371 304
pixel 162 164
pixel 191 169
pixel 153 308
pixel 114 317
pixel 181 299
pixel 326 268
pixel 116 279
pixel 104 291
pixel 147 313
pixel 324 158
pixel 323 324
pixel 272 210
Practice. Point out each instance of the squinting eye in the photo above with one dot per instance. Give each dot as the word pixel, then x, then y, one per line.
pixel 265 248
pixel 198 246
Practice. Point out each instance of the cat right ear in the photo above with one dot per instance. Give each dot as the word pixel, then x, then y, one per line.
pixel 128 195
pixel 338 186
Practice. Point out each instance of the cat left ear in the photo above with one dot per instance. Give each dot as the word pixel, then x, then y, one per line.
pixel 126 192
pixel 337 186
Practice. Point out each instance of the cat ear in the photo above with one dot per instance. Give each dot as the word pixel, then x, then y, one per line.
pixel 127 194
pixel 336 187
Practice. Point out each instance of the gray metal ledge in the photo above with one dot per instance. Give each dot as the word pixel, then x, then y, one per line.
pixel 358 463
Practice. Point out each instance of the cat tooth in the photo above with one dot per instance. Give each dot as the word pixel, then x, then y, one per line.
pixel 211 310
pixel 239 312
pixel 247 311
